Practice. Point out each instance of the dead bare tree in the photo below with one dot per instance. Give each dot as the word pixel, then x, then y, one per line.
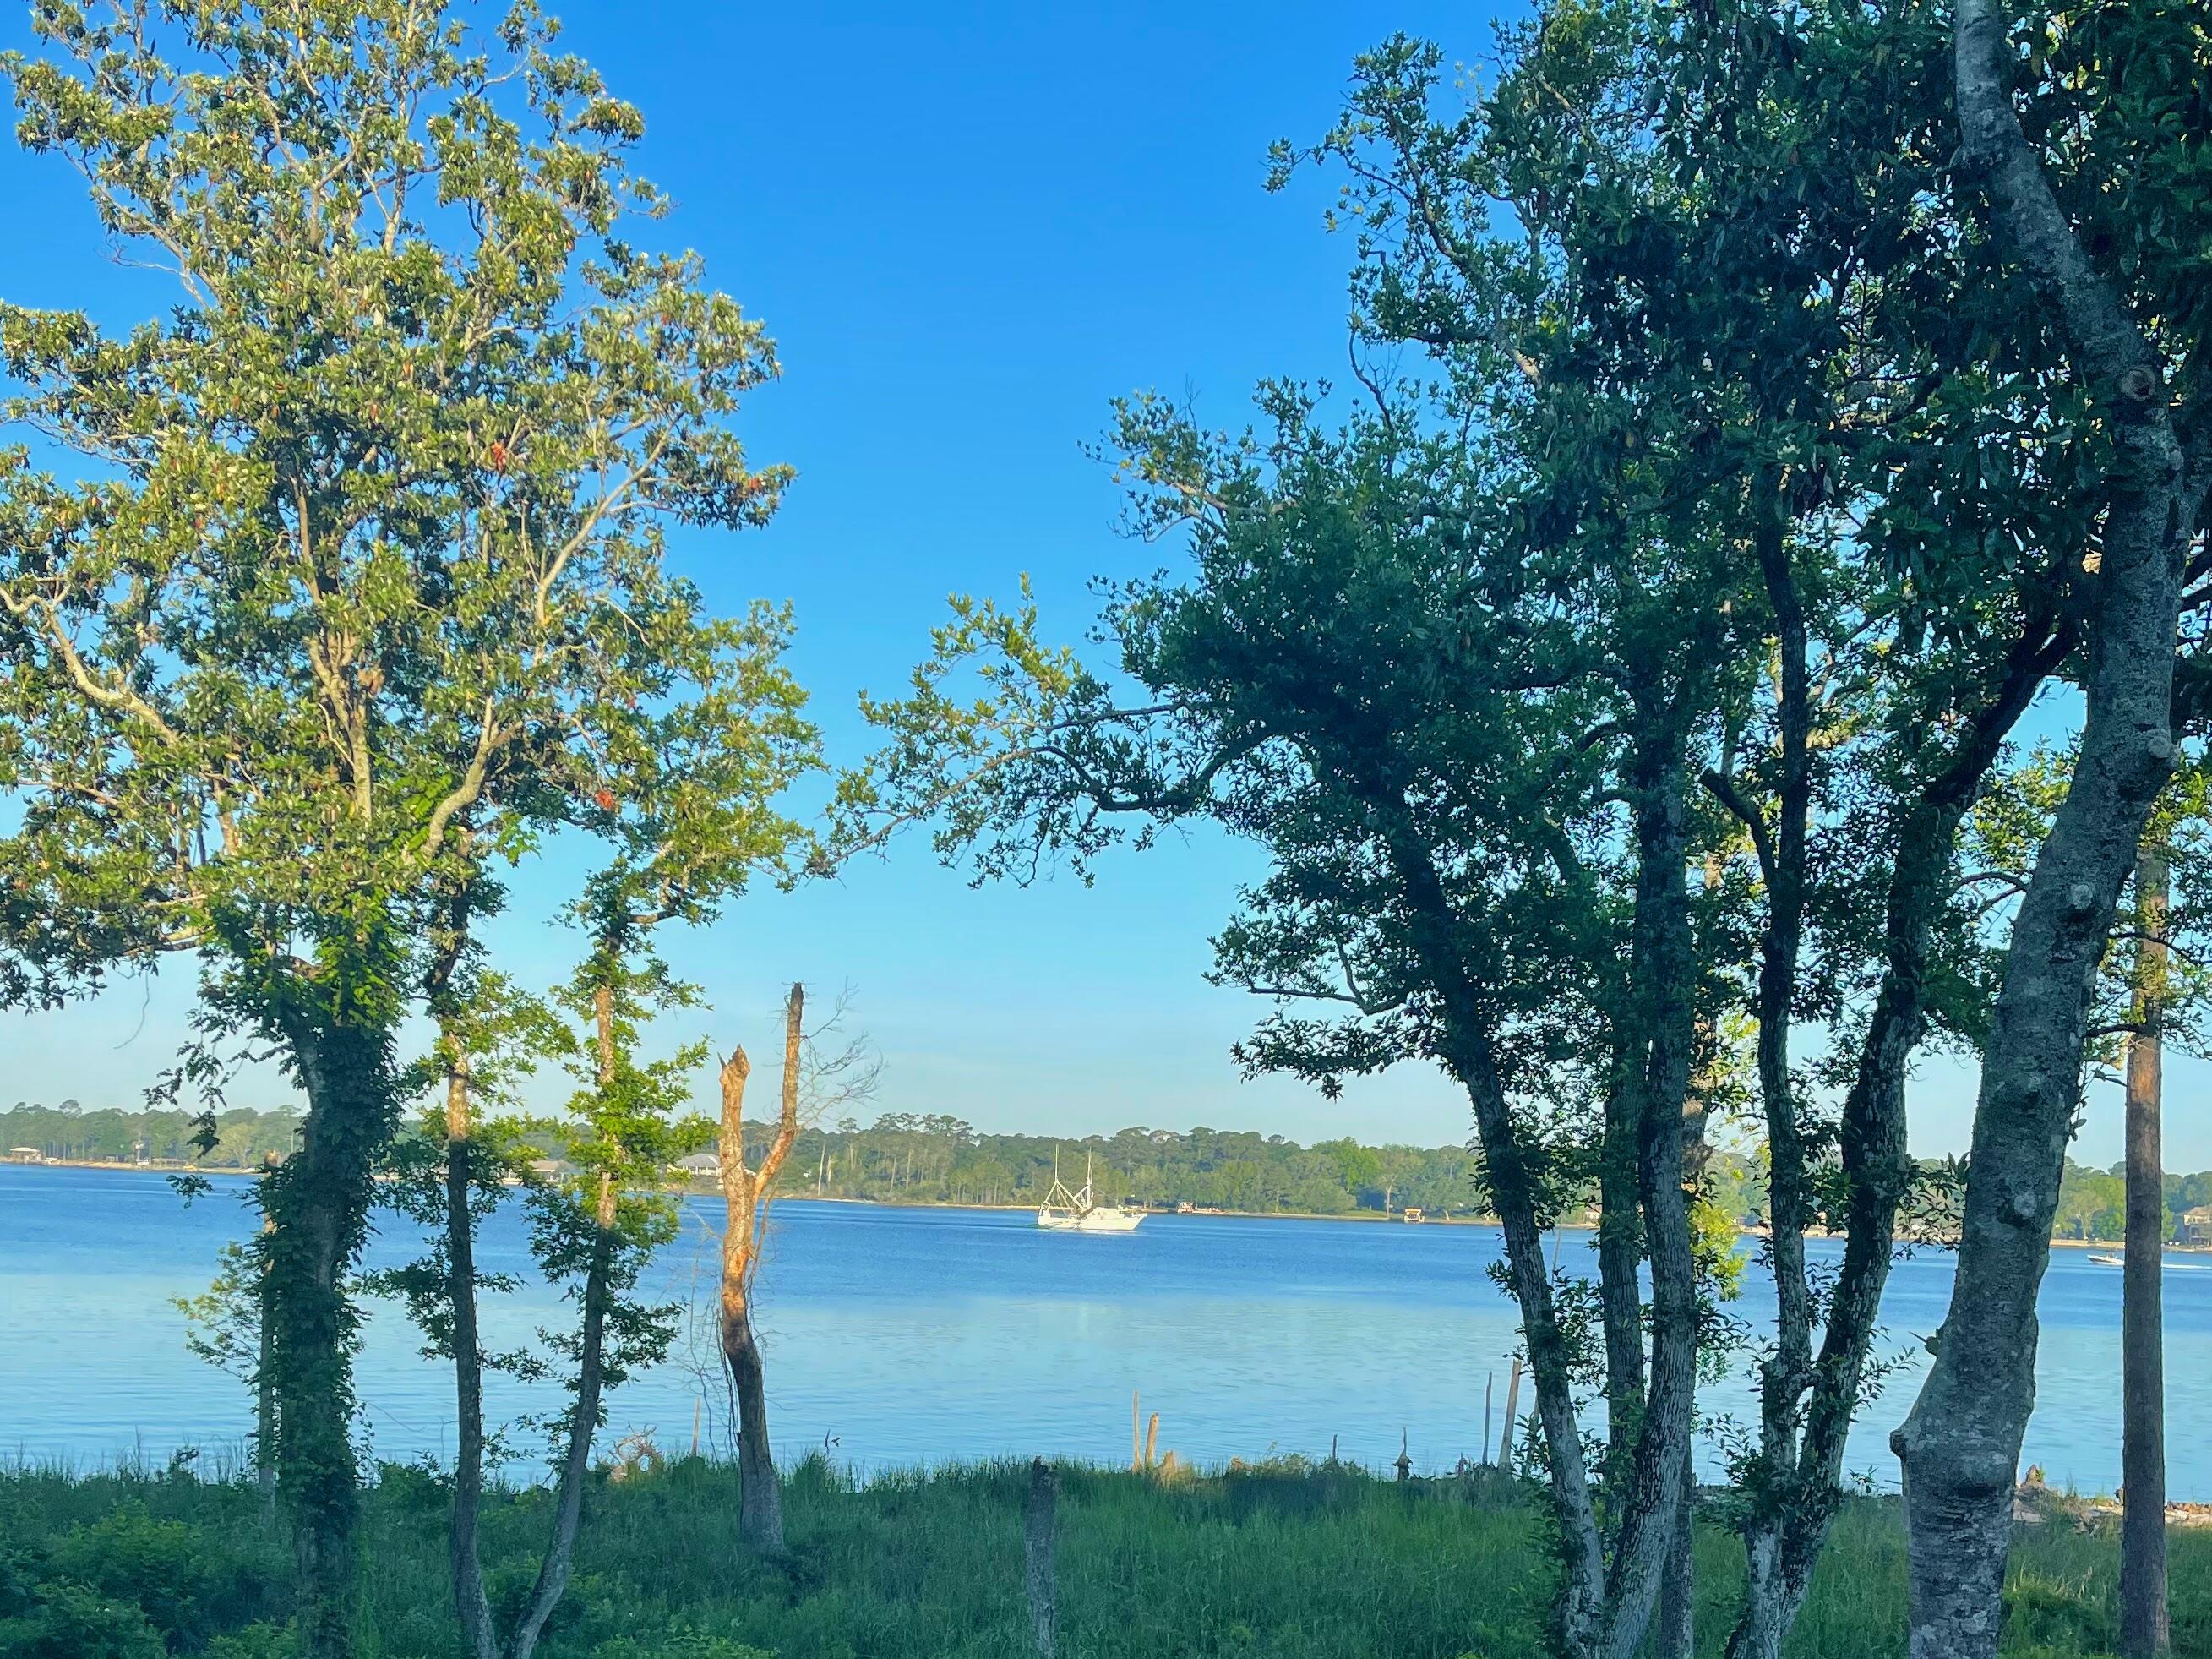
pixel 815 1078
pixel 744 1193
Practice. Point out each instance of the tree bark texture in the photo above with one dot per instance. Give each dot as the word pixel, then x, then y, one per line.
pixel 317 1203
pixel 1960 1445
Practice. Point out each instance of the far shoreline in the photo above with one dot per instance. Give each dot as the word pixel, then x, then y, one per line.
pixel 1360 1217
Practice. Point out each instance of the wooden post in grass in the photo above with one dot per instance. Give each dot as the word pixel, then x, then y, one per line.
pixel 1489 1386
pixel 1136 1435
pixel 1038 1530
pixel 1512 1405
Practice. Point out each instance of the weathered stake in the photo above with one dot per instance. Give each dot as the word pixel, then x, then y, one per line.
pixel 1040 1559
pixel 1512 1405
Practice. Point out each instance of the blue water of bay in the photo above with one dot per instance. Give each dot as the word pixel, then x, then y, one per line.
pixel 901 1336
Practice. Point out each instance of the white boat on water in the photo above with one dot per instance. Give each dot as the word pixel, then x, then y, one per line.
pixel 1079 1212
pixel 2106 1259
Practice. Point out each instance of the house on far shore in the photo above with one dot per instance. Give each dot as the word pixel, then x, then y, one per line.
pixel 2196 1225
pixel 701 1166
pixel 26 1155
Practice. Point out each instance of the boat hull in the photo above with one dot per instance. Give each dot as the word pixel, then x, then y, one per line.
pixel 1090 1221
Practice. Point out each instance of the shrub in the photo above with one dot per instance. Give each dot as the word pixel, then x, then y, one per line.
pixel 73 1621
pixel 677 1641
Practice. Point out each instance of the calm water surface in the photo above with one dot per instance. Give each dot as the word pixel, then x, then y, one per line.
pixel 900 1336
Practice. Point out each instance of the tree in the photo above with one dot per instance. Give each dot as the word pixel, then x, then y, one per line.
pixel 1703 311
pixel 818 1077
pixel 688 808
pixel 747 1191
pixel 2127 304
pixel 1374 675
pixel 363 551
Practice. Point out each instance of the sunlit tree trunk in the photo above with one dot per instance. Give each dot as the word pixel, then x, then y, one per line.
pixel 746 1194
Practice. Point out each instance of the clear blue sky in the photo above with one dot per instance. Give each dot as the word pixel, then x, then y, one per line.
pixel 966 233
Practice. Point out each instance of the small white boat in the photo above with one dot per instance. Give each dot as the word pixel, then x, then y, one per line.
pixel 1079 1212
pixel 2107 1259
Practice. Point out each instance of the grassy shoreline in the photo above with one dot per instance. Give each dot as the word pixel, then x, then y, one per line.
pixel 1289 1559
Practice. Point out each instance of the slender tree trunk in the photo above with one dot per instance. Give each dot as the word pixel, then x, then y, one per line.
pixel 591 1380
pixel 746 1193
pixel 1784 1532
pixel 471 1604
pixel 1620 1252
pixel 318 1201
pixel 1665 963
pixel 2143 1632
pixel 1960 1446
pixel 1608 1599
pixel 552 1580
pixel 265 1389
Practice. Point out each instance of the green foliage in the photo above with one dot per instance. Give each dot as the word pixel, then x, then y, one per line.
pixel 1276 1559
pixel 349 577
pixel 72 1621
pixel 677 1641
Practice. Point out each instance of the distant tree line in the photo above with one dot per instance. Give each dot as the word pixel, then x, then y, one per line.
pixel 2092 1202
pixel 242 1136
pixel 936 1158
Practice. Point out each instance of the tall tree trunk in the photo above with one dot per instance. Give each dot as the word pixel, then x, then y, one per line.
pixel 760 1495
pixel 1803 1447
pixel 471 1604
pixel 1663 962
pixel 1609 1593
pixel 2143 1337
pixel 1781 850
pixel 1960 1445
pixel 746 1193
pixel 265 1383
pixel 1620 1250
pixel 552 1580
pixel 318 1201
pixel 591 1378
pixel 1677 1633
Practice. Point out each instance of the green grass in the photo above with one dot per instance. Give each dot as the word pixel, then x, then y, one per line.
pixel 1320 1563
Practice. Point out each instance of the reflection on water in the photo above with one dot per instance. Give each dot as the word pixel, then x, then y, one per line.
pixel 898 1336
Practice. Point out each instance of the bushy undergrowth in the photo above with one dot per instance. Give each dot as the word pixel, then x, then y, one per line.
pixel 1319 1562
